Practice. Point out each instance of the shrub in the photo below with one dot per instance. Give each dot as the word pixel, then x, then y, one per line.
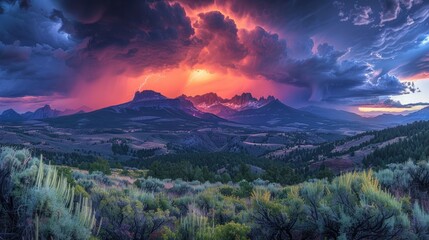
pixel 194 227
pixel 245 189
pixel 100 165
pixel 127 217
pixel 150 184
pixel 231 231
pixel 180 187
pixel 226 190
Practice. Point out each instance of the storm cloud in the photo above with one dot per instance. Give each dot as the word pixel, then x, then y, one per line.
pixel 338 51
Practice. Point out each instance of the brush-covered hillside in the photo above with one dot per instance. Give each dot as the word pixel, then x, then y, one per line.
pixel 43 201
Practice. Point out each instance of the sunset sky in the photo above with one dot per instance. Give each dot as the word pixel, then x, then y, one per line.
pixel 369 56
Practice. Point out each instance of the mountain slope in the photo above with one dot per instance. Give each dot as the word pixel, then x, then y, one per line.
pixel 10 116
pixel 388 119
pixel 276 114
pixel 334 114
pixel 422 114
pixel 380 121
pixel 44 112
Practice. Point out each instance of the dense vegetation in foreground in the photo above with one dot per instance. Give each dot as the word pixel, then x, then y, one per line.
pixel 39 201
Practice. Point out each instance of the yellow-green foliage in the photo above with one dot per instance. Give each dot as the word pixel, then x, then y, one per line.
pixel 79 190
pixel 195 227
pixel 261 195
pixel 231 231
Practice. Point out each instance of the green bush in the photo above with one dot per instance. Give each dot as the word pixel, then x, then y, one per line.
pixel 226 190
pixel 245 189
pixel 231 231
pixel 100 165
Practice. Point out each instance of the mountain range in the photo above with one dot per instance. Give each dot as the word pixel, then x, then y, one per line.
pixel 44 112
pixel 152 110
pixel 148 109
pixel 212 103
pixel 383 119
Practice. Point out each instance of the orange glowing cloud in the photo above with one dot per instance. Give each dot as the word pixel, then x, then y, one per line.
pixel 384 109
pixel 418 77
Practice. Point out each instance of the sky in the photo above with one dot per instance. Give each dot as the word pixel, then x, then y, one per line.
pixel 366 56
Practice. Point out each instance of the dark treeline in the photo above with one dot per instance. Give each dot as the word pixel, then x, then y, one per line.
pixel 415 147
pixel 223 167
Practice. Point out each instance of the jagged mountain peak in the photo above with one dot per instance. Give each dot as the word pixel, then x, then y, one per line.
pixel 45 112
pixel 46 107
pixel 206 99
pixel 268 99
pixel 243 98
pixel 146 95
pixel 212 103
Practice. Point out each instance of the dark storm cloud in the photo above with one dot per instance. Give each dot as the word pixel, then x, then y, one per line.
pixel 32 53
pixel 326 76
pixel 141 33
pixel 331 79
pixel 13 53
pixel 219 35
pixel 32 71
pixel 383 85
pixel 24 4
pixel 264 49
pixel 418 64
pixel 197 3
pixel 119 22
pixel 31 27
